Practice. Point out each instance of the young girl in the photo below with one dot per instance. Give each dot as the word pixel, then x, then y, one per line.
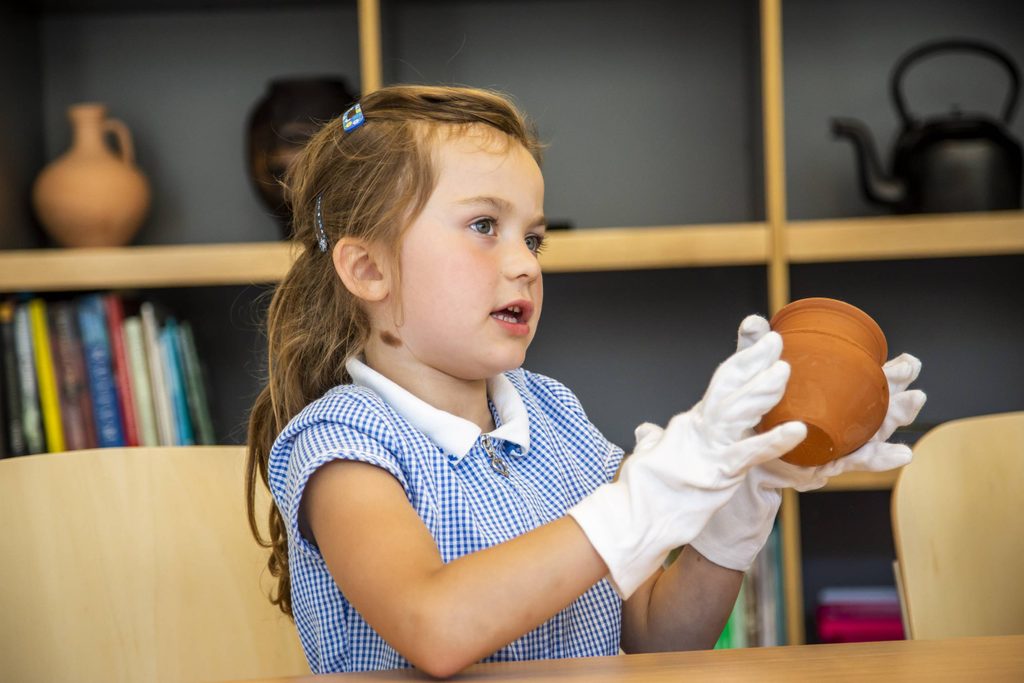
pixel 437 505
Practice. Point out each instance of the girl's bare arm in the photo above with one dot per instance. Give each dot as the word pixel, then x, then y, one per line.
pixel 441 617
pixel 684 607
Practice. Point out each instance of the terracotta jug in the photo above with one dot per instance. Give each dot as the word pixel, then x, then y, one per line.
pixel 92 195
pixel 836 385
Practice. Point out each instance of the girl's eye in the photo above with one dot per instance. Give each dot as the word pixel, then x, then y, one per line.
pixel 484 226
pixel 535 243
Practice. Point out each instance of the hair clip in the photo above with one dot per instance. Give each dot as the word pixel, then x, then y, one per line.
pixel 321 234
pixel 353 118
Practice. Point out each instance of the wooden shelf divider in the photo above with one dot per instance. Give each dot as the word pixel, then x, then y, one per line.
pixel 906 237
pixel 727 244
pixel 47 270
pixel 41 270
pixel 862 481
pixel 589 249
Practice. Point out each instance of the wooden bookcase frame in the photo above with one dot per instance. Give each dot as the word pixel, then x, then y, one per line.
pixel 776 243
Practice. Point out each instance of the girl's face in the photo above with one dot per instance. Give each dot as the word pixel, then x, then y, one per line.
pixel 471 287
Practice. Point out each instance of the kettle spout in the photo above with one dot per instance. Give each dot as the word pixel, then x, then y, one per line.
pixel 876 185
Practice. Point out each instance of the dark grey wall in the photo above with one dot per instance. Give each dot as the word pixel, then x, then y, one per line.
pixel 650 108
pixel 228 326
pixel 838 57
pixel 642 346
pixel 652 115
pixel 959 315
pixel 633 345
pixel 185 84
pixel 962 317
pixel 649 122
pixel 20 111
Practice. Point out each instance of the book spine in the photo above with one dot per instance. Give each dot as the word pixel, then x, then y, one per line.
pixel 734 635
pixel 753 633
pixel 767 575
pixel 31 413
pixel 198 401
pixel 5 442
pixel 99 369
pixel 157 375
pixel 122 369
pixel 725 638
pixel 49 399
pixel 176 383
pixel 780 599
pixel 143 396
pixel 739 611
pixel 15 434
pixel 72 383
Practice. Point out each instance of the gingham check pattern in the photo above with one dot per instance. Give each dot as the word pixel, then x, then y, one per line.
pixel 465 504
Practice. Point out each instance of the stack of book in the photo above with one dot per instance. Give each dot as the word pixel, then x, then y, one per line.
pixel 758 617
pixel 98 371
pixel 858 614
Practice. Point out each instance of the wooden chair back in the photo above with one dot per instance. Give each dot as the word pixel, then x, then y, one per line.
pixel 135 564
pixel 958 524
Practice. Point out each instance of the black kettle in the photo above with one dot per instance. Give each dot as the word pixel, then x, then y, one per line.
pixel 957 162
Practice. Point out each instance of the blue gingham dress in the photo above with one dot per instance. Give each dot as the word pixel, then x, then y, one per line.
pixel 466 505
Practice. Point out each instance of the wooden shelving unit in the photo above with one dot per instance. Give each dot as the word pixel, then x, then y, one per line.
pixel 863 481
pixel 594 249
pixel 264 262
pixel 193 265
pixel 906 237
pixel 775 243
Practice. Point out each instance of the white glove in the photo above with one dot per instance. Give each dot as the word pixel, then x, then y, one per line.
pixel 677 477
pixel 738 531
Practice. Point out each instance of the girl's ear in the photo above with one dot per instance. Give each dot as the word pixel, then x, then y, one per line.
pixel 361 269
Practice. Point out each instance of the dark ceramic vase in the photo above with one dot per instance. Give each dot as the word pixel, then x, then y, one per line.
pixel 280 124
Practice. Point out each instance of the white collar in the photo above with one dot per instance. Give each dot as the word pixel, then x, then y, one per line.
pixel 454 434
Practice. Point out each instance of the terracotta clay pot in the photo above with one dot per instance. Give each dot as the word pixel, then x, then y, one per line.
pixel 92 195
pixel 836 385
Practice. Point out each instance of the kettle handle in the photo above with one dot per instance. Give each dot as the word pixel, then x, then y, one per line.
pixel 956 45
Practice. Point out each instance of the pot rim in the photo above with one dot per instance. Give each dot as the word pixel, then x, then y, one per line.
pixel 842 308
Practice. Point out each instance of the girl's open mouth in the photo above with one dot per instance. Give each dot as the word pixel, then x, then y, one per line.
pixel 512 314
pixel 515 316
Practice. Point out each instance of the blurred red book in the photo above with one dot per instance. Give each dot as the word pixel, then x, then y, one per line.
pixel 848 615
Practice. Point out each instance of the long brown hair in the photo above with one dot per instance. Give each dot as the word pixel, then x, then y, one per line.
pixel 373 182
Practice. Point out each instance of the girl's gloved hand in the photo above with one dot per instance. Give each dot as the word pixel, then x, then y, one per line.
pixel 677 477
pixel 738 531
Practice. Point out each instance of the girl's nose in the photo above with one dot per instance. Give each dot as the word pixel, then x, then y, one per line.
pixel 520 262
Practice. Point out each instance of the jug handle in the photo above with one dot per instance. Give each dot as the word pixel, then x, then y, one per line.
pixel 124 139
pixel 959 45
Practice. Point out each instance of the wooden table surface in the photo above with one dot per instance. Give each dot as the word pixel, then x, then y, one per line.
pixel 984 659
